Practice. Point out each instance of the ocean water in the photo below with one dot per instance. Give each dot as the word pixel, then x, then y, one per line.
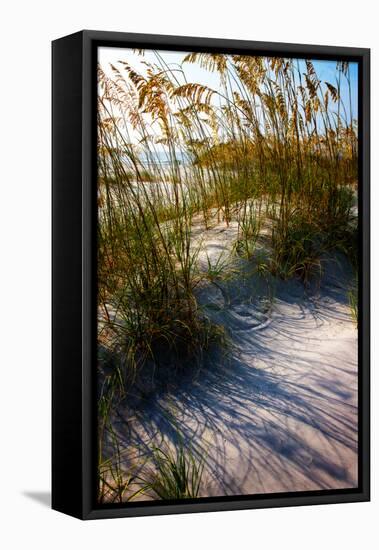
pixel 163 158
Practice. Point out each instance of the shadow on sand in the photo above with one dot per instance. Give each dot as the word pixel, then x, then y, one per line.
pixel 280 413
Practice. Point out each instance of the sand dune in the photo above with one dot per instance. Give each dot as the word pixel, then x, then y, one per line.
pixel 279 411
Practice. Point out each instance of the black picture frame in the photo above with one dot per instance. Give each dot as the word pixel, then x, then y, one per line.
pixel 74 89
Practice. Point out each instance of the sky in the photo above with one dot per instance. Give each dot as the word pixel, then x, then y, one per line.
pixel 326 70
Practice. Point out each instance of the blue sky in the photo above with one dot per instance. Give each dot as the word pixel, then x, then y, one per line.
pixel 326 70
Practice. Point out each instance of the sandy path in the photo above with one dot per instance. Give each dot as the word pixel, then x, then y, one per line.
pixel 280 412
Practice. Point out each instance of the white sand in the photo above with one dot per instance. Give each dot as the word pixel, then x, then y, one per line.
pixel 280 413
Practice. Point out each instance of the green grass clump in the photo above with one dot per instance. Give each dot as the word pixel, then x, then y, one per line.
pixel 177 474
pixel 353 299
pixel 297 249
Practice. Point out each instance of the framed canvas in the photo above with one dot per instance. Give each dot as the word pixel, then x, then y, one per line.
pixel 210 274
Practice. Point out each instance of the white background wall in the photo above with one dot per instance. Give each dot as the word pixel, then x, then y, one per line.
pixel 26 31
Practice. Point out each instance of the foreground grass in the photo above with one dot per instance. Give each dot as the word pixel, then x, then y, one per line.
pixel 177 474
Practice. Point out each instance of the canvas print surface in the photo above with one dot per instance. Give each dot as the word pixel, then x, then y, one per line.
pixel 227 261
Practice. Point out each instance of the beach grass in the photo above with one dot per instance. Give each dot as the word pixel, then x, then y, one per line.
pixel 273 149
pixel 177 474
